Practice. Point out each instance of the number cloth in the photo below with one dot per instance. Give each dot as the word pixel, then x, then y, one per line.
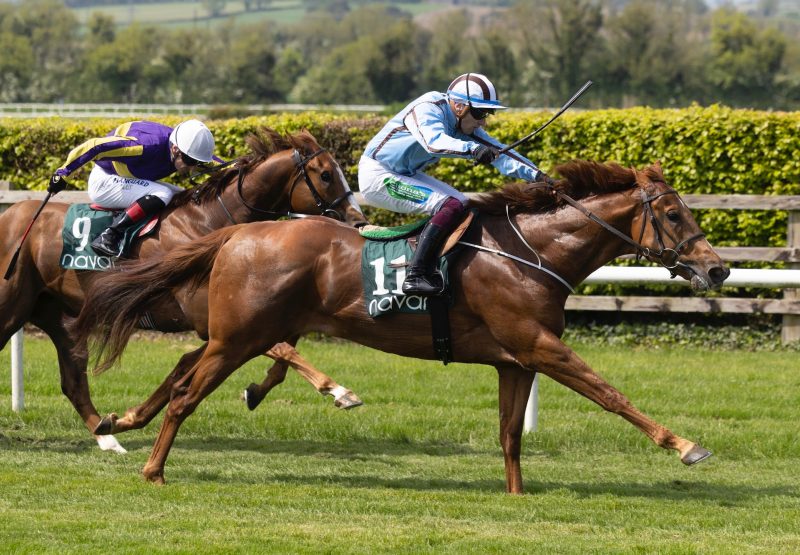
pixel 383 270
pixel 82 224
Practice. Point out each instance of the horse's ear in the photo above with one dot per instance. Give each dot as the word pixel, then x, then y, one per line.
pixel 639 177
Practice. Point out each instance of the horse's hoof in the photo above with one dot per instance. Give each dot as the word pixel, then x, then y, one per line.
pixel 106 425
pixel 695 455
pixel 250 397
pixel 154 476
pixel 348 401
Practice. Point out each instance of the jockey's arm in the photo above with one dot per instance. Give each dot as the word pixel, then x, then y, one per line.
pixel 97 149
pixel 426 124
pixel 511 163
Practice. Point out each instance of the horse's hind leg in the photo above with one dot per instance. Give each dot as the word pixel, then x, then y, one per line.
pixel 515 388
pixel 559 362
pixel 285 355
pixel 140 416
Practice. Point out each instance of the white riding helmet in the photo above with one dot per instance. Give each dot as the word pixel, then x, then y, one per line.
pixel 474 89
pixel 193 138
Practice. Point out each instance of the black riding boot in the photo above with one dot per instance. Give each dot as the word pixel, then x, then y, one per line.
pixel 423 278
pixel 109 242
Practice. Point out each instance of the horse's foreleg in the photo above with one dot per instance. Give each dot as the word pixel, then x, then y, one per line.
pixel 214 366
pixel 141 415
pixel 285 355
pixel 515 388
pixel 559 362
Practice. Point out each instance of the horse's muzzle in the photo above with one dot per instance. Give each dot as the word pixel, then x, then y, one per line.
pixel 710 279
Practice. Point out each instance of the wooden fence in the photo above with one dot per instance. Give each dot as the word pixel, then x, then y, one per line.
pixel 788 306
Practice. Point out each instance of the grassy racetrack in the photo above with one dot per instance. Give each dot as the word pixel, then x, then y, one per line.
pixel 418 468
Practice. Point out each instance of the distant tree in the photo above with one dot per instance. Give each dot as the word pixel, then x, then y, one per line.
pixel 102 29
pixel 16 67
pixel 650 56
pixel 557 36
pixel 392 65
pixel 289 67
pixel 745 60
pixel 339 78
pixel 115 72
pixel 496 60
pixel 251 59
pixel 50 28
pixel 446 53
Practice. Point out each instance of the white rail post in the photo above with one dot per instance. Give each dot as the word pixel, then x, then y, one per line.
pixel 790 331
pixel 17 388
pixel 532 408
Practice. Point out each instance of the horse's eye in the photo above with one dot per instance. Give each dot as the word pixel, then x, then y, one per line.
pixel 326 176
pixel 673 216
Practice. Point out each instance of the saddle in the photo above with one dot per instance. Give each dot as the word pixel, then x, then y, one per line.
pixel 411 232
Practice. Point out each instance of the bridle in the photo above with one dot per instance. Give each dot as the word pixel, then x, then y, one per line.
pixel 325 208
pixel 666 256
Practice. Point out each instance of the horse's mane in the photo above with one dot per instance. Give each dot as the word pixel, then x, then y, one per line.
pixel 581 179
pixel 263 143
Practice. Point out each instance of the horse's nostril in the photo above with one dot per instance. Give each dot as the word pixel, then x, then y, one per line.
pixel 718 274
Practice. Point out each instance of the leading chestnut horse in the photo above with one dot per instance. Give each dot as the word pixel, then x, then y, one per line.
pixel 282 176
pixel 530 246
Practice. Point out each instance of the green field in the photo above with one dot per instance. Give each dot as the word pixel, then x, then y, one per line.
pixel 193 14
pixel 418 469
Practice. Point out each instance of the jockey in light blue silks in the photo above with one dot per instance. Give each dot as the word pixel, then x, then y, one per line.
pixel 435 125
pixel 129 162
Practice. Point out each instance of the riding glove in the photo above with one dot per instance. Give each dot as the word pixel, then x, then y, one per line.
pixel 57 183
pixel 485 154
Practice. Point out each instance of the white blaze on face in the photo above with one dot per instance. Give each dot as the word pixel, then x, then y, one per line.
pixel 346 186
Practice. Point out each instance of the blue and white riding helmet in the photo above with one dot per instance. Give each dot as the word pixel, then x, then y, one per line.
pixel 475 90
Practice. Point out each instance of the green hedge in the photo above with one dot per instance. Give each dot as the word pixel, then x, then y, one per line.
pixel 703 150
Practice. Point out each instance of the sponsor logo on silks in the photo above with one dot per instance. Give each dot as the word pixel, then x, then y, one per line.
pixel 411 303
pixel 86 262
pixel 404 191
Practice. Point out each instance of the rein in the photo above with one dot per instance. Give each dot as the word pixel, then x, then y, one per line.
pixel 667 257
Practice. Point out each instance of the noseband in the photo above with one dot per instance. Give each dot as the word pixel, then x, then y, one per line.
pixel 667 257
pixel 325 208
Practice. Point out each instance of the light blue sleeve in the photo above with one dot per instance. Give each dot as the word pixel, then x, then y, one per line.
pixel 426 123
pixel 511 163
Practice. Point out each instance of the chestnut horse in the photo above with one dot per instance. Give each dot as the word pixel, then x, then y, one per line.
pixel 283 175
pixel 530 246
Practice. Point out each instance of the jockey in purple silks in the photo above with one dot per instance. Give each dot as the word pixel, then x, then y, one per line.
pixel 435 125
pixel 129 162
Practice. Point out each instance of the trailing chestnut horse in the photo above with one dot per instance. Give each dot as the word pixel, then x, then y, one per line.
pixel 508 312
pixel 283 175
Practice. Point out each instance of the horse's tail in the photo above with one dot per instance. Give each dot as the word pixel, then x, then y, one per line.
pixel 118 300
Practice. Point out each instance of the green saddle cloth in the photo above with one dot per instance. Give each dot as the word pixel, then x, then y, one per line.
pixel 82 224
pixel 377 233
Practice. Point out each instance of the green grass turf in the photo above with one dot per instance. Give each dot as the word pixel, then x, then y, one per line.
pixel 418 469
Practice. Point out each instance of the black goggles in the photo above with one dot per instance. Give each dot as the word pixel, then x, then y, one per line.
pixel 189 161
pixel 480 113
